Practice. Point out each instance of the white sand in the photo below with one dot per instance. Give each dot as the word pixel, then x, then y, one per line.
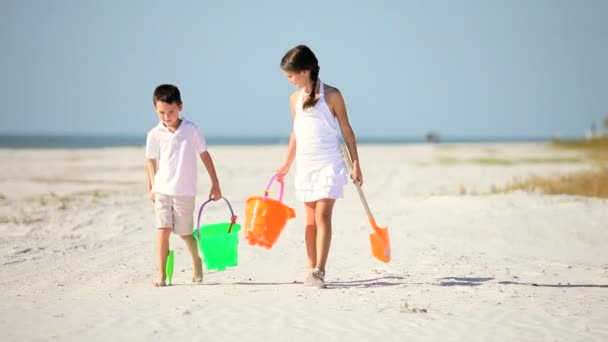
pixel 77 253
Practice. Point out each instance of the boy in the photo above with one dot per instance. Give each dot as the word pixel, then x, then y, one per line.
pixel 171 150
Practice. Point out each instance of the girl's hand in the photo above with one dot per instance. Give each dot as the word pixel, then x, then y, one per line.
pixel 215 192
pixel 151 196
pixel 282 172
pixel 356 174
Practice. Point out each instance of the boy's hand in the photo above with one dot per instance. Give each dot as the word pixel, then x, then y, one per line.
pixel 151 195
pixel 215 192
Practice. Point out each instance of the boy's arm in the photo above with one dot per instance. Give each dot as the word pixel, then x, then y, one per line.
pixel 152 155
pixel 216 192
pixel 150 173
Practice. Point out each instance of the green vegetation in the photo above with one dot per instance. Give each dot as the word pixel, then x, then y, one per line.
pixel 7 219
pixel 64 201
pixel 599 143
pixel 508 162
pixel 590 183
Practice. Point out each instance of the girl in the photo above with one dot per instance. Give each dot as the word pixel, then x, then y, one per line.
pixel 319 115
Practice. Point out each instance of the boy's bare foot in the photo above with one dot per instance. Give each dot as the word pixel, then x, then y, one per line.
pixel 198 271
pixel 159 283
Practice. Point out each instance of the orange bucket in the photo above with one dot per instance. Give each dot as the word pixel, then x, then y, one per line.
pixel 265 218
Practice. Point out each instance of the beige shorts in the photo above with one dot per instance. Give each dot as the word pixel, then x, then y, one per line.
pixel 174 212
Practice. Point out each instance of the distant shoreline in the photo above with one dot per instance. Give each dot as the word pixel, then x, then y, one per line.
pixel 24 141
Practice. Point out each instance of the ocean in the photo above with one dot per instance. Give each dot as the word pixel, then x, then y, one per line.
pixel 21 141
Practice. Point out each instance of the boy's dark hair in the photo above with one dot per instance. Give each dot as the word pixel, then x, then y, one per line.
pixel 301 58
pixel 167 93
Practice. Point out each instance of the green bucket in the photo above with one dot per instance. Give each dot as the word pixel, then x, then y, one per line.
pixel 218 242
pixel 219 248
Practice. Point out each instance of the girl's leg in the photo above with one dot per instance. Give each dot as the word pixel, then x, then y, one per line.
pixel 311 234
pixel 323 213
pixel 162 249
pixel 197 264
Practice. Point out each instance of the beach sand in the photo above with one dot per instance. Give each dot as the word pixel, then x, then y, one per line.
pixel 77 252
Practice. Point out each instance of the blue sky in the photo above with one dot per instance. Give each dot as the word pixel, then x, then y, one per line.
pixel 463 68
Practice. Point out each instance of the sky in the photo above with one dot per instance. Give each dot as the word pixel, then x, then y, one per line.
pixel 485 68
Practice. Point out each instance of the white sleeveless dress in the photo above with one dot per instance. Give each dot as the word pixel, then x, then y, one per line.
pixel 320 168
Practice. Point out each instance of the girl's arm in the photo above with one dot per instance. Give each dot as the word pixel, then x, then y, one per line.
pixel 290 155
pixel 338 107
pixel 291 148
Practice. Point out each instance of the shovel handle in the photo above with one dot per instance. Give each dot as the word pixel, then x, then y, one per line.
pixel 349 163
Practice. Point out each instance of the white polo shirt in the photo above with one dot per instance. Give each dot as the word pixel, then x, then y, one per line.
pixel 176 157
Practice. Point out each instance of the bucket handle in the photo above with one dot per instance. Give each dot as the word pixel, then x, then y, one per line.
pixel 267 190
pixel 200 213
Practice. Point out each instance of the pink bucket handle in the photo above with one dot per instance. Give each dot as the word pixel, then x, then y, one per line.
pixel 267 190
pixel 200 213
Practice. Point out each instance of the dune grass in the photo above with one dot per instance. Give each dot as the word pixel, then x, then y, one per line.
pixel 8 219
pixel 592 183
pixel 589 183
pixel 508 162
pixel 596 149
pixel 599 143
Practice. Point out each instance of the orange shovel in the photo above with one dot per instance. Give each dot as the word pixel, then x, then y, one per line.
pixel 381 245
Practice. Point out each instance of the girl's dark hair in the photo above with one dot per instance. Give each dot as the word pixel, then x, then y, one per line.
pixel 301 58
pixel 167 93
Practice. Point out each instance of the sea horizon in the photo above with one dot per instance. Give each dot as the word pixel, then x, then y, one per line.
pixel 63 141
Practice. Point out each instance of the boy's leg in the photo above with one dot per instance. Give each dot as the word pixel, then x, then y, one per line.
pixel 164 221
pixel 183 210
pixel 162 249
pixel 197 264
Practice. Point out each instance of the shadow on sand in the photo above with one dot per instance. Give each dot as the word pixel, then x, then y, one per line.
pixel 463 281
pixel 362 283
pixel 476 281
pixel 388 281
pixel 367 283
pixel 559 285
